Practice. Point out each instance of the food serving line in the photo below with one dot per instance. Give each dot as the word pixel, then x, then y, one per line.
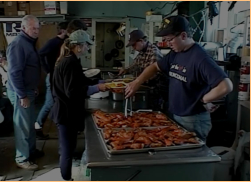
pixel 183 164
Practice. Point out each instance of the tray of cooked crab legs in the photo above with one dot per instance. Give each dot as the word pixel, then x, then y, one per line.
pixel 134 140
pixel 142 132
pixel 140 118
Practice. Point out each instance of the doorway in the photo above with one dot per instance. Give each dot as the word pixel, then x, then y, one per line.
pixel 108 55
pixel 110 47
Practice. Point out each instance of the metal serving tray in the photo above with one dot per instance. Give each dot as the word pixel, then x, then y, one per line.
pixel 109 149
pixel 141 110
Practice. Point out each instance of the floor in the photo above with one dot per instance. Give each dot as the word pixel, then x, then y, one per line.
pixel 48 164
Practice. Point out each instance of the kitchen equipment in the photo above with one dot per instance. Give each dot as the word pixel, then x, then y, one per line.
pixel 114 52
pixel 119 44
pixel 108 57
pixel 117 96
pixel 91 72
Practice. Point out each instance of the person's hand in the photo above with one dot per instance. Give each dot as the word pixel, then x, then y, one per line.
pixel 211 107
pixel 131 88
pixel 25 102
pixel 2 59
pixel 3 62
pixel 122 71
pixel 102 87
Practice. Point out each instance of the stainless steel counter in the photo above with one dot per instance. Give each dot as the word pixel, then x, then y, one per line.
pixel 98 159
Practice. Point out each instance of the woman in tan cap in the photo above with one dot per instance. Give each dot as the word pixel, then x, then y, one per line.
pixel 69 89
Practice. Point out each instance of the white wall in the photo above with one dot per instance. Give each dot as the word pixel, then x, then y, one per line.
pixel 225 19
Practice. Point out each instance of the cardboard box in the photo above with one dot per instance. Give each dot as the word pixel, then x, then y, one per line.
pixel 36 5
pixel 21 13
pixel 10 13
pixel 10 5
pixel 37 13
pixel 24 7
pixel 63 7
pixel 10 8
pixel 51 7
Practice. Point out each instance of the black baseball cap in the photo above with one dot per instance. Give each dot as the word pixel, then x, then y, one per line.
pixel 134 36
pixel 173 25
pixel 76 24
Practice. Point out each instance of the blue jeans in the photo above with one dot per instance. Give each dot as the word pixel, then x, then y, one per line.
pixel 45 110
pixel 198 123
pixel 23 119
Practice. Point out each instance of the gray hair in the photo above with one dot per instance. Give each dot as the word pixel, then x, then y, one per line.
pixel 26 19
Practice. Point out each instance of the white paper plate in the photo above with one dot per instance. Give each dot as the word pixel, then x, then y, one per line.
pixel 1 117
pixel 100 95
pixel 91 72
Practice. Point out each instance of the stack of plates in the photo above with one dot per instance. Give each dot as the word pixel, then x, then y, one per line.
pixel 100 95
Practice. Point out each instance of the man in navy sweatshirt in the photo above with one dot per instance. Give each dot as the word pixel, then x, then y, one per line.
pixel 23 78
pixel 48 55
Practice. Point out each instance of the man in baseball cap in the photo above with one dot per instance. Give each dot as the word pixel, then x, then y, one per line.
pixel 195 80
pixel 135 36
pixel 172 29
pixel 148 53
pixel 173 25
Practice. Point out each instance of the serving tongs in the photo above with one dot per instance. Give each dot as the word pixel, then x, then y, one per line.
pixel 126 106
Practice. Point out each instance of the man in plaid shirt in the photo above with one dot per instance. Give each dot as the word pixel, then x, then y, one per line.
pixel 148 54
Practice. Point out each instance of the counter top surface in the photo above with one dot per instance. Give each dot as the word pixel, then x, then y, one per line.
pixel 96 156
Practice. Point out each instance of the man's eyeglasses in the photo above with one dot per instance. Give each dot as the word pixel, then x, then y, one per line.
pixel 170 40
